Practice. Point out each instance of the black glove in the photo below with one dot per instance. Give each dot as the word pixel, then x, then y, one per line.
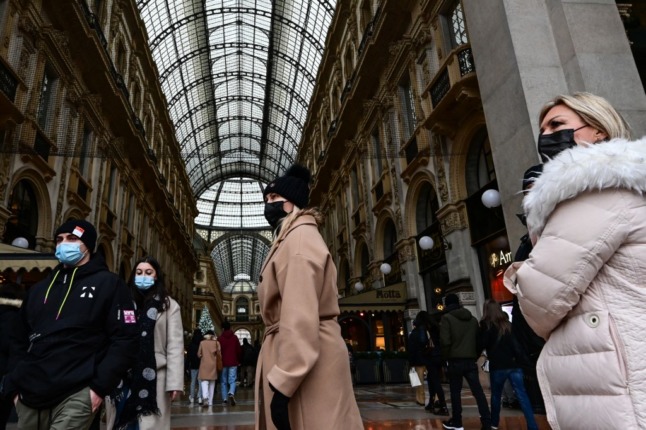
pixel 280 410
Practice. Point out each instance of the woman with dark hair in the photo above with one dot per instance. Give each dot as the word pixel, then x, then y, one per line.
pixel 193 365
pixel 505 358
pixel 157 378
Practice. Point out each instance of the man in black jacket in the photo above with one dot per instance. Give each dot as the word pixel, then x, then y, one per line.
pixel 76 337
pixel 458 336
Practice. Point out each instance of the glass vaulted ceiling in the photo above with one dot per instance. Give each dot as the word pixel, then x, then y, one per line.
pixel 238 76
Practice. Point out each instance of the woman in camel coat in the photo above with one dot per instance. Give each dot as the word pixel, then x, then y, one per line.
pixel 303 375
pixel 208 373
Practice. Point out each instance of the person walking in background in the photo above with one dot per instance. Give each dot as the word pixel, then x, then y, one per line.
pixel 531 343
pixel 302 350
pixel 437 399
pixel 75 339
pixel 231 354
pixel 208 374
pixel 248 363
pixel 419 352
pixel 11 296
pixel 582 287
pixel 157 377
pixel 505 360
pixel 458 336
pixel 193 366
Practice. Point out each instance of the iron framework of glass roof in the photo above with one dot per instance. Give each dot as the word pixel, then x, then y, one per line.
pixel 238 76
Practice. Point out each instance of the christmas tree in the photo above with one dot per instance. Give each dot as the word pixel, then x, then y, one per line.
pixel 206 323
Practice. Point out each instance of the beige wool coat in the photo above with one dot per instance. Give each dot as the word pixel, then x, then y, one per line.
pixel 303 354
pixel 583 287
pixel 208 351
pixel 169 356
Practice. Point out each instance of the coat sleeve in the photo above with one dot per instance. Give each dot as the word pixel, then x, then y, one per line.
pixel 18 345
pixel 297 342
pixel 567 257
pixel 123 342
pixel 174 349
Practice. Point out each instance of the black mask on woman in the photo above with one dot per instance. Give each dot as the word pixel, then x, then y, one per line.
pixel 274 213
pixel 551 145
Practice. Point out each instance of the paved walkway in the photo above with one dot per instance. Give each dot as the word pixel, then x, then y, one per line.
pixel 383 407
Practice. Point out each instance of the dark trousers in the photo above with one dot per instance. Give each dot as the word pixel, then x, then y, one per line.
pixel 433 379
pixel 467 369
pixel 6 405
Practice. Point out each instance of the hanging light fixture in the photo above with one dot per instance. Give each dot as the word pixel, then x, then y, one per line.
pixel 491 198
pixel 385 268
pixel 426 243
pixel 20 242
pixel 358 286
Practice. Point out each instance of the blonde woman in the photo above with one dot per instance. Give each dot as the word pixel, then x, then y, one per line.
pixel 303 349
pixel 582 288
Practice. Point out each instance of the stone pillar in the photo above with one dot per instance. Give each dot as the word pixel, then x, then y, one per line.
pixel 528 52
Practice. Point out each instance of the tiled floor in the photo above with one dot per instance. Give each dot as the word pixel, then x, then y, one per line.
pixel 383 407
pixel 390 407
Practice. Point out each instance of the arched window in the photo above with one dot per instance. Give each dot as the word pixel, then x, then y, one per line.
pixel 23 221
pixel 365 262
pixel 243 334
pixel 480 169
pixel 390 238
pixel 427 206
pixel 242 309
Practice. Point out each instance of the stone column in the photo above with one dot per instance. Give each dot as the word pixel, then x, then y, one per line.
pixel 528 52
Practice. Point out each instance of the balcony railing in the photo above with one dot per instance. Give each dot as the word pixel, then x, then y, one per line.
pixel 459 64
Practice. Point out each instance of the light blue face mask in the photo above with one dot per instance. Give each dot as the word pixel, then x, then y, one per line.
pixel 144 282
pixel 69 253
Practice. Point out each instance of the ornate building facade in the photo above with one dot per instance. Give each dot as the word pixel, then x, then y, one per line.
pixel 85 133
pixel 399 140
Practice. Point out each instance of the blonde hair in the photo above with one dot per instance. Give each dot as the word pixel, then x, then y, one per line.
pixel 291 217
pixel 595 111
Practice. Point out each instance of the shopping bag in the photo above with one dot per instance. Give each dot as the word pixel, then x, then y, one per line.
pixel 414 378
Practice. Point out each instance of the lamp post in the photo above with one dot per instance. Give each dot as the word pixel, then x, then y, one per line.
pixel 358 286
pixel 385 269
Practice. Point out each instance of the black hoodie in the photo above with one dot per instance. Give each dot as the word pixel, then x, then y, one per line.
pixel 76 329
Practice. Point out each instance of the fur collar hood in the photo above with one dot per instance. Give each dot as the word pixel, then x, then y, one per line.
pixel 617 163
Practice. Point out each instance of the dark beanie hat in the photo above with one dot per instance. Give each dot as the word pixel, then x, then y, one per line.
pixel 531 174
pixel 82 229
pixel 293 185
pixel 451 299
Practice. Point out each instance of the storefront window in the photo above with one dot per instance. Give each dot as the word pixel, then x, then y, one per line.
pixel 23 221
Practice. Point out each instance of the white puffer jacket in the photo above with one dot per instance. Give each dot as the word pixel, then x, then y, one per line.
pixel 584 286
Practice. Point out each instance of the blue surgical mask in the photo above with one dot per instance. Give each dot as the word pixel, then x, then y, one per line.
pixel 144 282
pixel 69 253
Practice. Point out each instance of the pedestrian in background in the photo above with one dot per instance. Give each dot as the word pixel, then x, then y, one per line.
pixel 157 378
pixel 208 373
pixel 231 354
pixel 419 352
pixel 193 365
pixel 458 335
pixel 582 287
pixel 506 359
pixel 437 398
pixel 248 363
pixel 11 296
pixel 303 351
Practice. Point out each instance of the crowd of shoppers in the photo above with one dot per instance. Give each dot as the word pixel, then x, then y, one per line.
pixel 82 335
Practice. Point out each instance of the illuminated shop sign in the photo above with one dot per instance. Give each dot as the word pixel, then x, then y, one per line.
pixel 501 258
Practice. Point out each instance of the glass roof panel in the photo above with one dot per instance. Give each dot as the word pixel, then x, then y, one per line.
pixel 238 76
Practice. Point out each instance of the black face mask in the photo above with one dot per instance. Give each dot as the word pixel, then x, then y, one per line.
pixel 274 213
pixel 551 145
